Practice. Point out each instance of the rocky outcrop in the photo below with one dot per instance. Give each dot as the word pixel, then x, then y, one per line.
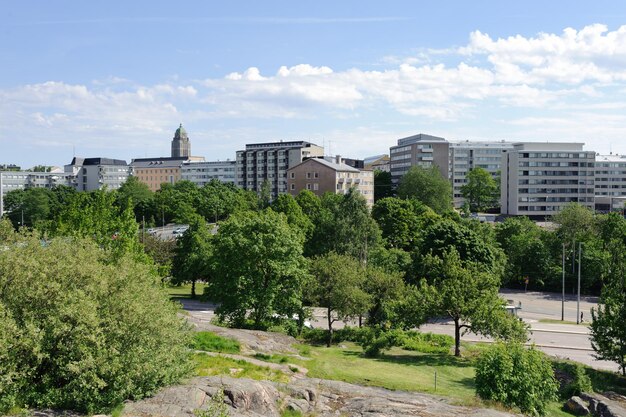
pixel 608 405
pixel 247 398
pixel 577 406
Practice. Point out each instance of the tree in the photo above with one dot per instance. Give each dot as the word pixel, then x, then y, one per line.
pixel 256 266
pixel 338 287
pixel 309 202
pixel 161 252
pixel 79 332
pixel 217 201
pixel 468 295
pixel 191 261
pixel 428 186
pixel 29 207
pixel 286 204
pixel 516 376
pixel 608 333
pixel 385 290
pixel 137 194
pixel 382 185
pixel 401 221
pixel 576 223
pixel 481 190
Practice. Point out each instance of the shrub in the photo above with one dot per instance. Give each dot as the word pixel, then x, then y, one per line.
pixel 80 331
pixel 428 342
pixel 516 376
pixel 213 343
pixel 573 379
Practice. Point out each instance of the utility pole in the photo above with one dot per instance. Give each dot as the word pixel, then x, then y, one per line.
pixel 580 259
pixel 563 285
pixel 1 197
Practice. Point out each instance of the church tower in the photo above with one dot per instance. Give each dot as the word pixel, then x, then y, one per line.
pixel 180 144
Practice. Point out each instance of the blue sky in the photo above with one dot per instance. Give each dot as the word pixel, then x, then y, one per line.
pixel 116 78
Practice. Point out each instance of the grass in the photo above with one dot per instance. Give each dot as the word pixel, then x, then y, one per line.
pixel 184 291
pixel 556 321
pixel 219 365
pixel 211 342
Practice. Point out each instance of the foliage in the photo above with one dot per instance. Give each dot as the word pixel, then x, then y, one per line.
pixel 191 261
pixel 213 343
pixel 428 186
pixel 481 191
pixel 161 252
pixel 608 333
pixel 338 287
pixel 468 294
pixel 286 204
pixel 256 265
pixel 401 221
pixel 137 194
pixel 575 222
pixel 385 290
pixel 217 406
pixel 81 332
pixel 516 376
pixel 383 187
pixel 217 201
pixel 207 365
pixel 573 379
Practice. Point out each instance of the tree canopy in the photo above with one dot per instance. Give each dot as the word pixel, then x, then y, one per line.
pixel 481 191
pixel 428 186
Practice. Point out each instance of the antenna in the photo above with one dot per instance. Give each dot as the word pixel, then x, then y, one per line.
pixel 73 151
pixel 330 144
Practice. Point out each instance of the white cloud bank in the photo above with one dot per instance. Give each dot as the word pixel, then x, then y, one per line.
pixel 563 73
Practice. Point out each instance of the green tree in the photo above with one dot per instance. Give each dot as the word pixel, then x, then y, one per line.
pixel 467 294
pixel 217 201
pixel 286 204
pixel 382 185
pixel 575 223
pixel 428 186
pixel 515 376
pixel 137 194
pixel 608 333
pixel 191 261
pixel 161 251
pixel 79 332
pixel 386 290
pixel 257 266
pixel 481 191
pixel 29 207
pixel 401 221
pixel 309 202
pixel 338 287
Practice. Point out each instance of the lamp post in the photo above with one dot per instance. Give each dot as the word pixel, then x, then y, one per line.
pixel 580 261
pixel 563 285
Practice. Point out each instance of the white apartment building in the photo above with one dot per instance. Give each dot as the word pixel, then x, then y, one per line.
pixel 269 162
pixel 418 150
pixel 201 173
pixel 96 173
pixel 467 155
pixel 610 183
pixel 539 179
pixel 20 180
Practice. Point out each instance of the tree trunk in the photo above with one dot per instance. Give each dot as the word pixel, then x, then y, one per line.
pixel 193 288
pixel 457 338
pixel 330 328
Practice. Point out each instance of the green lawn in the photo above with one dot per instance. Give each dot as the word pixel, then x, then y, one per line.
pixel 184 291
pixel 207 365
pixel 555 321
pixel 211 342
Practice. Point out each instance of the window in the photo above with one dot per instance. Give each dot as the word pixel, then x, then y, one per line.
pixel 308 175
pixel 292 175
pixel 316 175
pixel 316 186
pixel 308 186
pixel 292 186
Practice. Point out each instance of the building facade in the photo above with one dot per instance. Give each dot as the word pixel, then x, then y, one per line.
pixel 610 183
pixel 418 150
pixel 539 179
pixel 467 155
pixel 377 163
pixel 20 180
pixel 181 146
pixel 322 175
pixel 201 173
pixel 91 174
pixel 155 171
pixel 269 162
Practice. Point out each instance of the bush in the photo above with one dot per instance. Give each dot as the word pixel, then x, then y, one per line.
pixel 213 343
pixel 428 342
pixel 516 376
pixel 80 331
pixel 573 379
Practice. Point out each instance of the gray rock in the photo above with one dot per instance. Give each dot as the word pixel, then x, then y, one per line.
pixel 603 406
pixel 577 406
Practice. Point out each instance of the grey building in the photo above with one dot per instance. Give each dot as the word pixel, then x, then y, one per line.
pixel 467 155
pixel 610 183
pixel 201 173
pixel 539 179
pixel 20 180
pixel 269 162
pixel 418 150
pixel 96 173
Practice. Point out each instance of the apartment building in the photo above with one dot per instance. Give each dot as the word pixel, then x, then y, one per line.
pixel 539 179
pixel 377 163
pixel 327 174
pixel 20 180
pixel 610 183
pixel 269 162
pixel 155 171
pixel 201 173
pixel 418 150
pixel 96 173
pixel 467 155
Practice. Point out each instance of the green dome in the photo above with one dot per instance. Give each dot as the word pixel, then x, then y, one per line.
pixel 180 132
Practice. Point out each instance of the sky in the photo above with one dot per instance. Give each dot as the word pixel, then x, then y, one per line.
pixel 116 78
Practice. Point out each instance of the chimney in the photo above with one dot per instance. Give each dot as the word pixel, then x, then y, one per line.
pixel 338 159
